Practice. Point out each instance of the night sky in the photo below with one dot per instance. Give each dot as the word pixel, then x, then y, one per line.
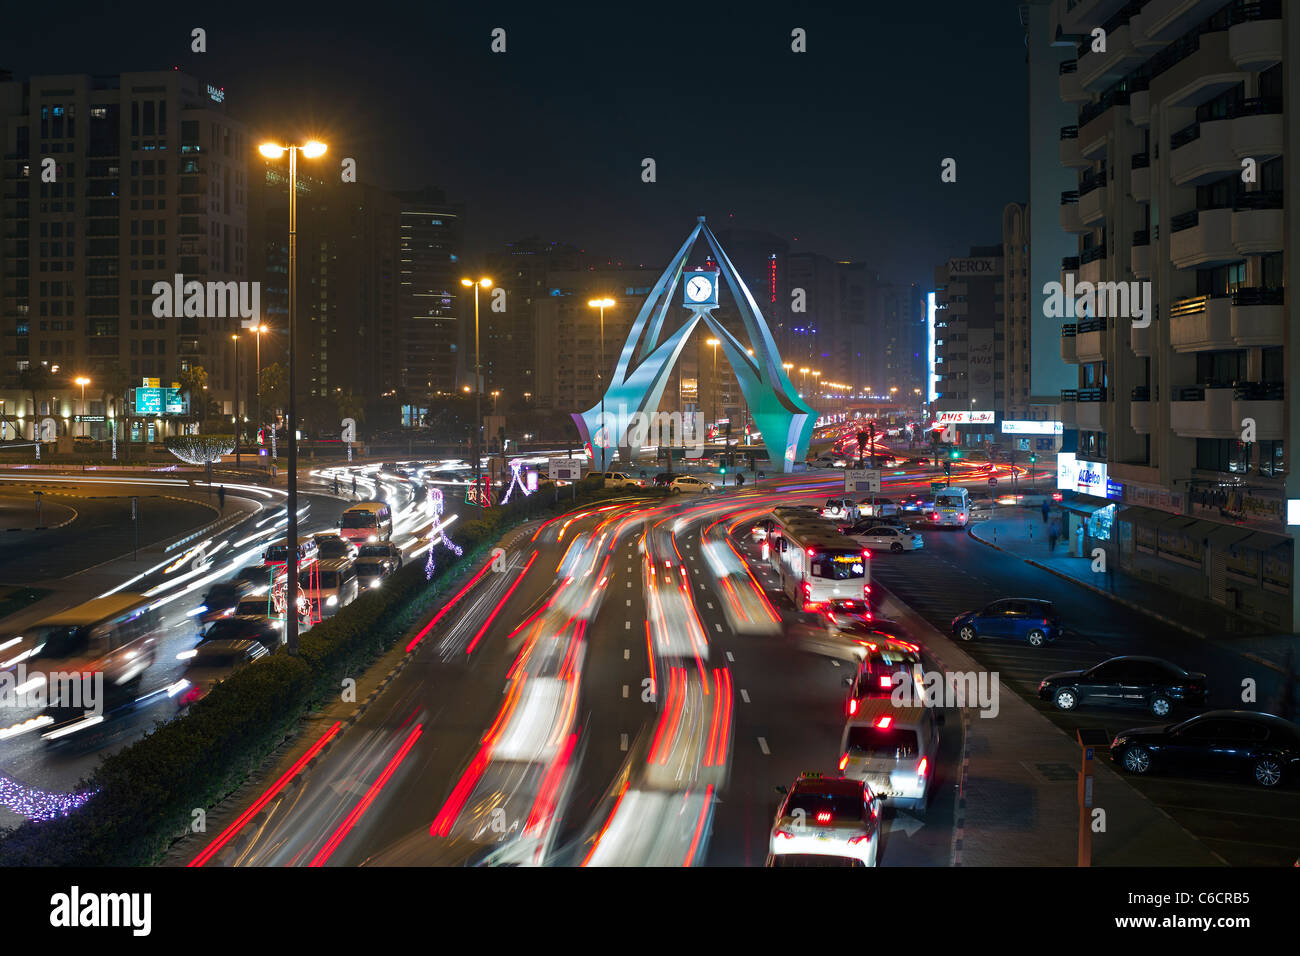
pixel 838 147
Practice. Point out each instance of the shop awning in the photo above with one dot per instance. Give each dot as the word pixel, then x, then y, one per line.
pixel 1264 542
pixel 1177 523
pixel 1085 507
pixel 1226 535
pixel 1151 517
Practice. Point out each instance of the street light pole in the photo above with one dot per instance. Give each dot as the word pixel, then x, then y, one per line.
pixel 235 339
pixel 272 151
pixel 83 382
pixel 602 304
pixel 257 385
pixel 486 283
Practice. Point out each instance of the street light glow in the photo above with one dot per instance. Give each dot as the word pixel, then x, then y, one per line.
pixel 271 150
pixel 314 148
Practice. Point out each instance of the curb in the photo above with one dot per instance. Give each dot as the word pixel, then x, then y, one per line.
pixel 1132 605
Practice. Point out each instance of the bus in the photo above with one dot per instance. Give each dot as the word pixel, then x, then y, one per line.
pixel 815 562
pixel 367 522
pixel 951 507
pixel 115 635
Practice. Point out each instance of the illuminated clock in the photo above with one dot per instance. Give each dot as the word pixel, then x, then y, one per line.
pixel 702 288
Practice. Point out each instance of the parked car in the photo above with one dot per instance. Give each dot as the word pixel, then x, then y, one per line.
pixel 689 484
pixel 618 479
pixel 1147 683
pixel 663 479
pixel 1016 619
pixel 1228 742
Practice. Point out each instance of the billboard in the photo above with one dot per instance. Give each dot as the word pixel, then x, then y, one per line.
pixel 1085 477
pixel 1032 428
pixel 964 418
pixel 158 402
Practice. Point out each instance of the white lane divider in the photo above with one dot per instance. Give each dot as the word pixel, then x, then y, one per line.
pixel 744 695
pixel 731 657
pixel 762 745
pixel 627 653
pixel 625 691
pixel 622 742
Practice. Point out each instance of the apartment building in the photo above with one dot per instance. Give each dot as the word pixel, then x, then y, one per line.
pixel 970 344
pixel 111 184
pixel 1181 213
pixel 433 312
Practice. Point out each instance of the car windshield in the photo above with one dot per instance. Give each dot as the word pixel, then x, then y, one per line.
pixel 332 549
pixel 374 551
pixel 64 641
pixel 898 743
pixel 216 658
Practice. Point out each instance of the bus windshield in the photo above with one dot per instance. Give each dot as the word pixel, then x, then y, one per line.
pixel 839 566
pixel 358 519
pixel 64 641
pixel 948 501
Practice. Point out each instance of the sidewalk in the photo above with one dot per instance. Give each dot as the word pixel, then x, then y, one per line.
pixel 1017 803
pixel 1022 533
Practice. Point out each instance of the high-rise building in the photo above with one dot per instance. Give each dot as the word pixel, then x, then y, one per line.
pixel 1178 325
pixel 434 309
pixel 112 184
pixel 970 343
pixel 1017 326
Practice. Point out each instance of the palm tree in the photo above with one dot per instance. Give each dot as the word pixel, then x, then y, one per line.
pixel 116 384
pixel 193 381
pixel 35 379
pixel 272 390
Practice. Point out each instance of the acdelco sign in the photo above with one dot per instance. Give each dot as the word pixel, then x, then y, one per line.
pixel 982 266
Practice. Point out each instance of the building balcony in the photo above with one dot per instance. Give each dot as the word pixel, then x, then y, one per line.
pixel 1092 262
pixel 1089 410
pixel 1072 90
pixel 1202 153
pixel 1262 402
pixel 1069 402
pixel 1091 339
pixel 1203 412
pixel 1258 317
pixel 1070 155
pixel 1139 255
pixel 1069 266
pixel 1163 21
pixel 1255 36
pixel 1257 223
pixel 1092 205
pixel 1078 16
pixel 1139 410
pixel 1070 221
pixel 1257 130
pixel 1202 238
pixel 1100 70
pixel 1200 322
pixel 1139 338
pixel 1139 177
pixel 1068 354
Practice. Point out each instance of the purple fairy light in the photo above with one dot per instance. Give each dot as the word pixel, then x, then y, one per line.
pixel 39 804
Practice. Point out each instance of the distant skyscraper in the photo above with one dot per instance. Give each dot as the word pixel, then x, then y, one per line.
pixel 433 312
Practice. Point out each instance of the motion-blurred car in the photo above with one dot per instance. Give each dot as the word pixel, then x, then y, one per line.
pixel 877 507
pixel 886 538
pixel 1227 742
pixel 375 563
pixel 886 665
pixel 893 750
pixel 689 484
pixel 1145 683
pixel 214 662
pixel 915 502
pixel 826 816
pixel 224 596
pixel 333 547
pixel 242 628
pixel 1017 619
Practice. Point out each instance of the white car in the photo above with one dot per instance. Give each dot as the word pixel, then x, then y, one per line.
pixel 617 479
pixel 826 817
pixel 689 484
pixel 844 509
pixel 886 537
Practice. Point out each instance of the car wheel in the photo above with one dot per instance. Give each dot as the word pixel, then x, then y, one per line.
pixel 967 632
pixel 896 548
pixel 1036 638
pixel 1066 699
pixel 1160 706
pixel 1136 760
pixel 1268 771
pixel 676 491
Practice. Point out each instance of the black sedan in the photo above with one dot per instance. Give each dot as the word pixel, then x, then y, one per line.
pixel 1144 682
pixel 1236 742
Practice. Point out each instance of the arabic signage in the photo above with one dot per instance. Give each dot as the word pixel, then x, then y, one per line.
pixel 963 418
pixel 1032 428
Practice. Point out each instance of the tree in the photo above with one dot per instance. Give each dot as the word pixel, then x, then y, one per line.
pixel 193 381
pixel 350 405
pixel 272 390
pixel 116 384
pixel 34 379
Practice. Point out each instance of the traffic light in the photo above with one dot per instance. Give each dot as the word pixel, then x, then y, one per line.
pixel 954 454
pixel 1033 459
pixel 947 467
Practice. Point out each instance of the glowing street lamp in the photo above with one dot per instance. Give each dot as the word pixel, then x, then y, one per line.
pixel 602 303
pixel 311 149
pixel 83 382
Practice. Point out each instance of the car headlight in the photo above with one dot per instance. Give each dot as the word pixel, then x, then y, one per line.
pixel 332 600
pixel 372 539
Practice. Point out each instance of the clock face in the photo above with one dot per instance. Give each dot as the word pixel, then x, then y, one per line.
pixel 699 288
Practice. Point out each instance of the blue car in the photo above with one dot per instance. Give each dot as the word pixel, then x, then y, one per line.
pixel 1016 619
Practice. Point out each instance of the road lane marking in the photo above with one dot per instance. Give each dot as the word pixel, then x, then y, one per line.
pixel 762 745
pixel 718 628
pixel 731 657
pixel 629 602
pixel 627 625
pixel 622 742
pixel 834 662
pixel 625 691
pixel 710 603
pixel 627 654
pixel 744 695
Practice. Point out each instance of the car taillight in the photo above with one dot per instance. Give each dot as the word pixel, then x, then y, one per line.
pixel 784 835
pixel 865 838
pixel 853 709
pixel 844 761
pixel 920 770
pixel 823 817
pixel 934 516
pixel 884 722
pixel 885 681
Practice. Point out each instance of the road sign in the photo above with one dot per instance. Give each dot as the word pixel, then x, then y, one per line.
pixel 862 481
pixel 566 469
pixel 992 481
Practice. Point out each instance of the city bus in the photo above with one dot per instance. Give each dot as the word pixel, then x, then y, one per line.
pixel 815 562
pixel 367 522
pixel 951 507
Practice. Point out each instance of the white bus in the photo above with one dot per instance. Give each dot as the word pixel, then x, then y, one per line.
pixel 951 507
pixel 816 563
pixel 367 522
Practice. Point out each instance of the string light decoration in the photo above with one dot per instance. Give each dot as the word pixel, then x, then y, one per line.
pixel 436 505
pixel 200 449
pixel 516 481
pixel 39 804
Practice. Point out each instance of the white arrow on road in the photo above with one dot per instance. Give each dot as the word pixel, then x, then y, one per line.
pixel 905 822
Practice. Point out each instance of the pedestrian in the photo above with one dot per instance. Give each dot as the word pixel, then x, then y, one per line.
pixel 354 484
pixel 336 484
pixel 1047 509
pixel 740 478
pixel 1051 538
pixel 221 497
pixel 275 472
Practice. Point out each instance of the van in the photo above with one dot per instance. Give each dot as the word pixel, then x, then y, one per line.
pixel 330 585
pixel 951 507
pixel 367 522
pixel 892 750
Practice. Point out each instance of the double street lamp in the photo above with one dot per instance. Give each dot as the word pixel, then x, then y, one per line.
pixel 311 150
pixel 484 283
